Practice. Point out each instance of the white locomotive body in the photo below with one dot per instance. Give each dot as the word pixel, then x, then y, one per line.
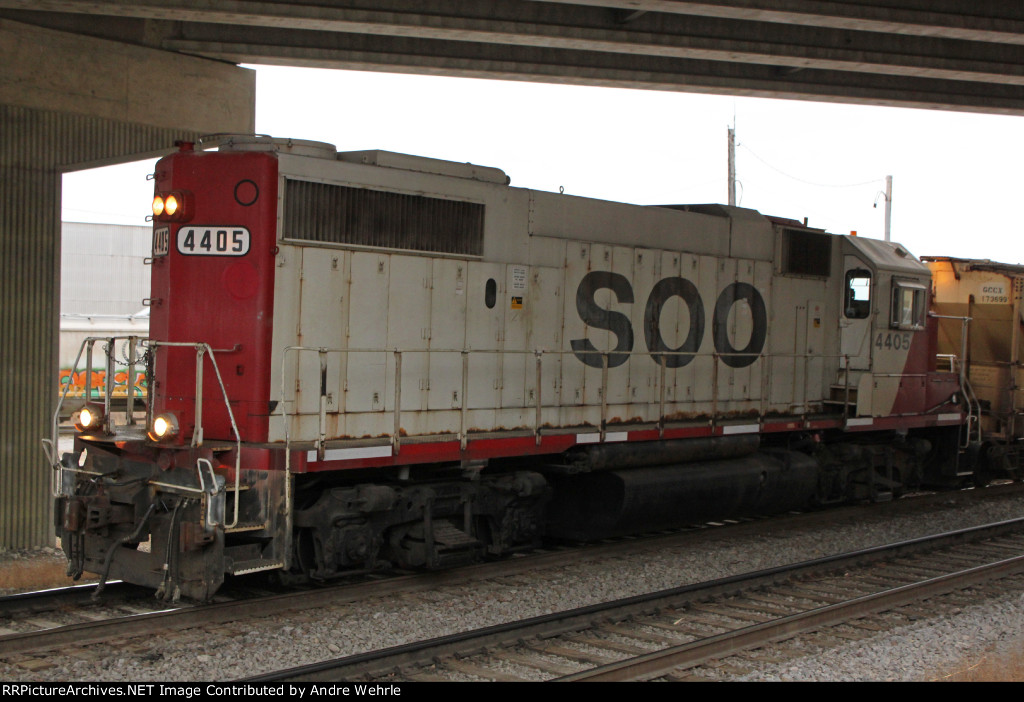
pixel 546 313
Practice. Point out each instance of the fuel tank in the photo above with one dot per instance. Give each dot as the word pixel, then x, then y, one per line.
pixel 598 505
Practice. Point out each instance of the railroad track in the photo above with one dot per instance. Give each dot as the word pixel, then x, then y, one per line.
pixel 672 633
pixel 60 618
pixel 53 608
pixel 49 618
pixel 55 618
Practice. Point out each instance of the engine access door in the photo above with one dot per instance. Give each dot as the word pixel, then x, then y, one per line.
pixel 857 310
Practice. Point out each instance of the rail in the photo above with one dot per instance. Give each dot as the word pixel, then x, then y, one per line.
pixel 50 446
pixel 799 398
pixel 88 344
pixel 639 609
pixel 959 365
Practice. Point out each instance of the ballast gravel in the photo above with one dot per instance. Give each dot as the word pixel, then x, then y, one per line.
pixel 923 650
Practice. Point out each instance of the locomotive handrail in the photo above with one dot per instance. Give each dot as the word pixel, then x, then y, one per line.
pixel 965 322
pixel 197 434
pixel 463 433
pixel 51 445
pixel 971 399
pixel 972 402
pixel 660 357
pixel 951 358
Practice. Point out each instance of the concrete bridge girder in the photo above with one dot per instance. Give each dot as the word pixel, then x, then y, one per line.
pixel 945 54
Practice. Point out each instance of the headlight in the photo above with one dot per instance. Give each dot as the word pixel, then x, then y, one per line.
pixel 171 205
pixel 164 427
pixel 89 419
pixel 175 206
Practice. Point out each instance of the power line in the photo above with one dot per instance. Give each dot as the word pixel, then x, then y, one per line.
pixel 808 182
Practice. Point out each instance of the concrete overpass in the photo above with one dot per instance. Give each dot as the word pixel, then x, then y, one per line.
pixel 89 82
pixel 946 54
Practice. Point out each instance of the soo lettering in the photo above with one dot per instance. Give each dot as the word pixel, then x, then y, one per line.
pixel 619 324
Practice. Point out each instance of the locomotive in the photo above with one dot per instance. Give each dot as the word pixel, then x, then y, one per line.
pixel 361 360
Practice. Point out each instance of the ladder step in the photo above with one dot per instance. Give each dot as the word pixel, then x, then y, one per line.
pixel 246 526
pixel 254 566
pixel 448 536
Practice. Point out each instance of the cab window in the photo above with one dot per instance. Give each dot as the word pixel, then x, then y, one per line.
pixel 908 305
pixel 858 294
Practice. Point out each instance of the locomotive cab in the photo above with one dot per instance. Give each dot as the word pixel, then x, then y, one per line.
pixel 887 356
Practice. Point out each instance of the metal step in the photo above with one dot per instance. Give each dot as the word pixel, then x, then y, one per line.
pixel 837 393
pixel 246 526
pixel 254 566
pixel 447 536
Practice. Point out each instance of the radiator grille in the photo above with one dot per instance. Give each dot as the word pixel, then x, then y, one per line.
pixel 806 253
pixel 338 214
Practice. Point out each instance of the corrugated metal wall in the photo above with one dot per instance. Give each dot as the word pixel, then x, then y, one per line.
pixel 34 147
pixel 102 269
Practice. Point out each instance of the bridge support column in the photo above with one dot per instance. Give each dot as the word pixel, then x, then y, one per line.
pixel 69 102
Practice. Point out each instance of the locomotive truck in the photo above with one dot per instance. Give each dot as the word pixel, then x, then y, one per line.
pixel 365 359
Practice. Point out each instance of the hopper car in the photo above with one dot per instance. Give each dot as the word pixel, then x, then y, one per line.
pixel 987 294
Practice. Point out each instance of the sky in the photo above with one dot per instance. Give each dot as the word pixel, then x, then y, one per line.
pixel 956 176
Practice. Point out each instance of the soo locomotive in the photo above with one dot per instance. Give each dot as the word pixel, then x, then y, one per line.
pixel 364 359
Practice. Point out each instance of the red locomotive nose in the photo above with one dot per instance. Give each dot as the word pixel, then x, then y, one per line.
pixel 216 283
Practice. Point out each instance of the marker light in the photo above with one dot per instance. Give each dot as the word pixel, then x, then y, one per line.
pixel 164 427
pixel 89 419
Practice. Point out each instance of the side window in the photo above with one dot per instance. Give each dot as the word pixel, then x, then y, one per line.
pixel 908 305
pixel 857 297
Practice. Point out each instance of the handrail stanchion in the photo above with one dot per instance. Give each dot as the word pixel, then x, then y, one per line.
pixel 766 386
pixel 663 363
pixel 130 383
pixel 234 428
pixel 463 438
pixel 88 369
pixel 197 433
pixel 396 438
pixel 804 404
pixel 714 391
pixel 150 370
pixel 51 446
pixel 108 389
pixel 288 518
pixel 604 395
pixel 846 392
pixel 321 450
pixel 537 421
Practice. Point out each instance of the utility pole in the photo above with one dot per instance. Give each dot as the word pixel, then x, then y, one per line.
pixel 888 205
pixel 732 167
